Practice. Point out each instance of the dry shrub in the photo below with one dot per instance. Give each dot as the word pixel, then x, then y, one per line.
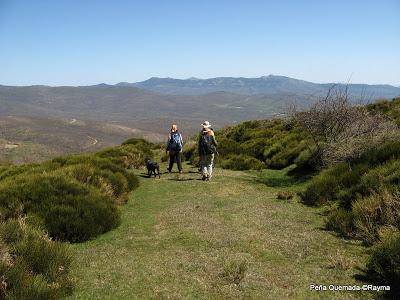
pixel 342 131
pixel 339 261
pixel 285 195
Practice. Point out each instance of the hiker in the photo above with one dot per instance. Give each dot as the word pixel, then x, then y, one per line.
pixel 174 147
pixel 207 150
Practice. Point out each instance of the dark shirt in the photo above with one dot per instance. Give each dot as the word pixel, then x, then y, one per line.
pixel 202 147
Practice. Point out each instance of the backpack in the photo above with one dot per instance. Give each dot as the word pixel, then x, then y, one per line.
pixel 207 144
pixel 175 142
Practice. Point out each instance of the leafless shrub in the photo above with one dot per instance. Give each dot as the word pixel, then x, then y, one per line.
pixel 341 130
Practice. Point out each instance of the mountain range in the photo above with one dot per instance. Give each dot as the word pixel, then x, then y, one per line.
pixel 272 84
pixel 226 99
pixel 42 121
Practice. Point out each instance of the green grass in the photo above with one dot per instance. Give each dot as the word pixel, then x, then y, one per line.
pixel 231 238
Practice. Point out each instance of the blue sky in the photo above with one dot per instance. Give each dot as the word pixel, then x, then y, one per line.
pixel 68 42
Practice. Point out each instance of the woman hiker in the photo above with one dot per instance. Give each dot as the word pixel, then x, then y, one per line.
pixel 174 147
pixel 207 149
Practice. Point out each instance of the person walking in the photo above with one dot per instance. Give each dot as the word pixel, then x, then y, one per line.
pixel 207 148
pixel 174 147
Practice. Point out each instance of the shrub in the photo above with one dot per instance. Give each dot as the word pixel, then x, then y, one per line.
pixel 110 183
pixel 340 182
pixel 341 221
pixel 385 176
pixel 276 143
pixel 323 188
pixel 339 261
pixel 101 164
pixel 241 162
pixel 285 195
pixel 383 267
pixel 235 271
pixel 69 209
pixel 31 265
pixel 374 212
pixel 127 156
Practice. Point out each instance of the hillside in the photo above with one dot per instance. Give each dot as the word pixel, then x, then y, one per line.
pixel 25 139
pixel 251 232
pixel 126 104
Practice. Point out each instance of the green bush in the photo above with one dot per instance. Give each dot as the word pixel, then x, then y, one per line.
pixel 69 209
pixel 241 162
pixel 274 143
pixel 101 164
pixel 341 221
pixel 383 267
pixel 31 265
pixel 110 183
pixel 377 211
pixel 385 176
pixel 324 187
pixel 127 156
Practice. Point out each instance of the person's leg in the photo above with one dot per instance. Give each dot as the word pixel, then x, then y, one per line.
pixel 203 166
pixel 179 161
pixel 210 162
pixel 171 160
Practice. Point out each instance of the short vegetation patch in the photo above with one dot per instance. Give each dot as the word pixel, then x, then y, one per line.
pixel 234 271
pixel 32 266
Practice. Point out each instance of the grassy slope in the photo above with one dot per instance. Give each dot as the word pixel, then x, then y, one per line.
pixel 179 236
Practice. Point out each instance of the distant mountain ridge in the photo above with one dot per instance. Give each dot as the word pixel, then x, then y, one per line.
pixel 271 85
pixel 147 104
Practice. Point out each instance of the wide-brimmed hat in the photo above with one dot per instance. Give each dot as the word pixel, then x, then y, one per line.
pixel 206 124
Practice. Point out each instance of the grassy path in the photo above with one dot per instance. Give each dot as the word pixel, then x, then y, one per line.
pixel 182 238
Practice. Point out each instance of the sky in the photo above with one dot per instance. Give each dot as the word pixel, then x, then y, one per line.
pixel 69 42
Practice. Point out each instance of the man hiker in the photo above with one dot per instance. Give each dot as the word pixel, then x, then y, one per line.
pixel 174 147
pixel 207 149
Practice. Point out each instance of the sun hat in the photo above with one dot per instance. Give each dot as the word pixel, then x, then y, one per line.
pixel 206 124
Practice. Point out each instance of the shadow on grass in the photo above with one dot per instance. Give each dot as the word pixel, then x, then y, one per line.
pixel 147 176
pixel 281 181
pixel 181 179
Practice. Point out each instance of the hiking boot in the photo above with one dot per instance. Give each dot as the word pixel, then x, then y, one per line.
pixel 180 172
pixel 204 177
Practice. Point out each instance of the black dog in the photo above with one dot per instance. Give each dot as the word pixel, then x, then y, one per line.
pixel 152 167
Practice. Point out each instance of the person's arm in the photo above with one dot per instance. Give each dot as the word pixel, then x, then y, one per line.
pixel 214 141
pixel 168 143
pixel 199 144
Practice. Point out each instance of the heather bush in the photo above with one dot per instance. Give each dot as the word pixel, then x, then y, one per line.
pixel 383 267
pixel 241 162
pixel 273 143
pixel 341 221
pixel 69 209
pixel 31 265
pixel 99 163
pixel 385 176
pixel 111 183
pixel 377 211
